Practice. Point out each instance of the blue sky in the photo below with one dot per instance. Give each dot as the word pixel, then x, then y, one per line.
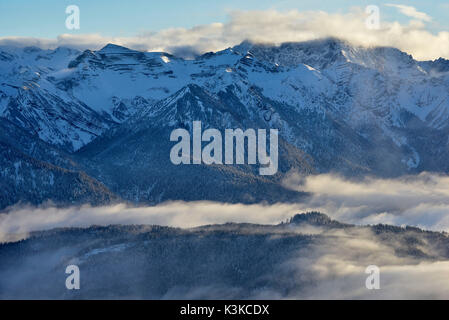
pixel 46 18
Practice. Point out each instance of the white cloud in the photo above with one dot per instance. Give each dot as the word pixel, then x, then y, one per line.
pixel 336 270
pixel 273 27
pixel 410 11
pixel 333 268
pixel 22 220
pixel 421 201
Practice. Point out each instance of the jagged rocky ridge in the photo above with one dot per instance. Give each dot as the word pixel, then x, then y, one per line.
pixel 102 119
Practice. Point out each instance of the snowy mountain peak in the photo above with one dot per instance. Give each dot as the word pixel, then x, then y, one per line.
pixel 115 49
pixel 331 52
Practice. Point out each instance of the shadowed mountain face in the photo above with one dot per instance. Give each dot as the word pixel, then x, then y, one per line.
pixel 33 172
pixel 309 256
pixel 101 120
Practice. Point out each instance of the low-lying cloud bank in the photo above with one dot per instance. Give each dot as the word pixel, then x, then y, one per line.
pixel 335 269
pixel 412 265
pixel 421 200
pixel 175 214
pixel 271 26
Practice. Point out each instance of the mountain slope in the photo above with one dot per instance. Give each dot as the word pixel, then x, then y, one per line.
pixel 134 159
pixel 312 256
pixel 338 108
pixel 33 172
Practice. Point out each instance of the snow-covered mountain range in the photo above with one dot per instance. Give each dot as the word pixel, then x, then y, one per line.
pixel 94 126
